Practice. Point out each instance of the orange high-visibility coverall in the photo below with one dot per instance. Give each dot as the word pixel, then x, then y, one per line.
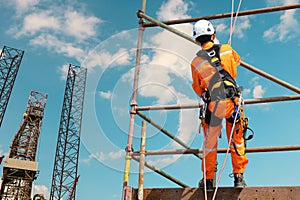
pixel 202 72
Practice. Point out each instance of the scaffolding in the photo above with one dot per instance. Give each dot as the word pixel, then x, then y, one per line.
pixel 185 192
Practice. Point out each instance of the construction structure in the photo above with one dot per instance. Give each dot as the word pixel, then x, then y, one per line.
pixel 10 60
pixel 186 193
pixel 65 178
pixel 20 168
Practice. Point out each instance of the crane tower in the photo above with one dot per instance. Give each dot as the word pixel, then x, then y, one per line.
pixel 10 60
pixel 64 178
pixel 20 167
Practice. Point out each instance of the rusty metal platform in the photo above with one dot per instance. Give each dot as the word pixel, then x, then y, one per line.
pixel 224 193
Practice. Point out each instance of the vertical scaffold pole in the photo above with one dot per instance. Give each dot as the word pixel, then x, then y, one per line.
pixel 142 162
pixel 133 104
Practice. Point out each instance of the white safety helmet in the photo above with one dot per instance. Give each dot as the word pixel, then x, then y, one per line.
pixel 202 27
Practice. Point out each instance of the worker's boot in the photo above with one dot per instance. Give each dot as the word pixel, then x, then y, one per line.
pixel 239 181
pixel 209 184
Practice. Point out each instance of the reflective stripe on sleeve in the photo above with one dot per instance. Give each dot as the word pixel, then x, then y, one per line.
pixel 200 64
pixel 225 53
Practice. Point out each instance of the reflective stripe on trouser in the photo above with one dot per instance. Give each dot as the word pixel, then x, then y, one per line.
pixel 210 149
pixel 239 159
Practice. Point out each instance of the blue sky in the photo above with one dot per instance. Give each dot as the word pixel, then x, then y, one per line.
pixel 102 36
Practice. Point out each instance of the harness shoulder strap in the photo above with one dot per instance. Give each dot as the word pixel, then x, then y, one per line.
pixel 214 54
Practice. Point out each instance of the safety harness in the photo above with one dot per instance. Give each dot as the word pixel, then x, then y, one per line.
pixel 244 124
pixel 222 86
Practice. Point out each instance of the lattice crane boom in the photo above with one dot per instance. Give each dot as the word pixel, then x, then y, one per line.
pixel 68 142
pixel 10 60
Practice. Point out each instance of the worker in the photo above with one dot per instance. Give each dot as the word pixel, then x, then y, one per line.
pixel 214 72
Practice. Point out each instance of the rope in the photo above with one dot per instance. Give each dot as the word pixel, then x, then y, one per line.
pixel 204 153
pixel 232 26
pixel 231 19
pixel 204 173
pixel 227 152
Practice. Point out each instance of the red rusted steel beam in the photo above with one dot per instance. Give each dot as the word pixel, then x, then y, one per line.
pixel 248 193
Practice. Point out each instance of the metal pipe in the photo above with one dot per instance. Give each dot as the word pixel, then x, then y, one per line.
pixel 142 162
pixel 272 99
pixel 125 192
pixel 260 72
pixel 165 132
pixel 228 15
pixel 220 150
pixel 133 104
pixel 169 107
pixel 169 28
pixel 198 105
pixel 270 77
pixel 162 173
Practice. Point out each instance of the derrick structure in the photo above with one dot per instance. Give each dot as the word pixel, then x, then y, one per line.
pixel 64 178
pixel 20 168
pixel 187 193
pixel 10 60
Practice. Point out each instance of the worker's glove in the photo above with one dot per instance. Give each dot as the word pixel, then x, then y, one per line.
pixel 236 113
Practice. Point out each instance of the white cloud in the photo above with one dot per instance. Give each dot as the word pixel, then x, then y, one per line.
pixel 58 20
pixel 242 25
pixel 246 92
pixel 22 6
pixel 281 2
pixel 287 29
pixel 79 25
pixel 35 22
pixel 40 189
pixel 220 28
pixel 105 58
pixel 164 161
pixel 104 156
pixel 63 71
pixel 173 9
pixel 258 91
pixel 254 80
pixel 188 121
pixel 52 43
pixel 105 95
pixel 169 59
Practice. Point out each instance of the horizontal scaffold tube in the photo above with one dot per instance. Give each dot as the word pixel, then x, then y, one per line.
pixel 198 105
pixel 270 77
pixel 221 150
pixel 228 15
pixel 250 67
pixel 176 139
